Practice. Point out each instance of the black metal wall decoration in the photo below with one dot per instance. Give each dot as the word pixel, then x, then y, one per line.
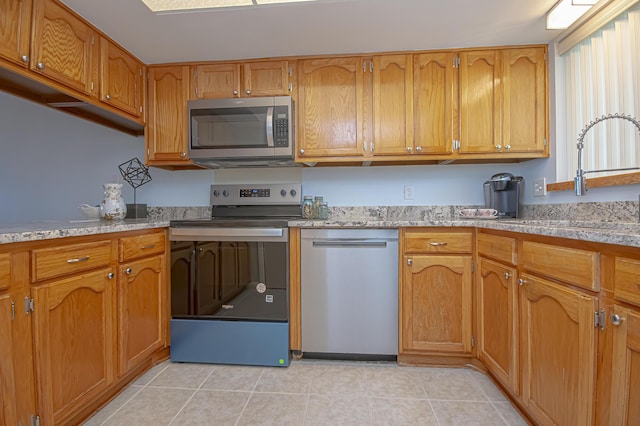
pixel 135 174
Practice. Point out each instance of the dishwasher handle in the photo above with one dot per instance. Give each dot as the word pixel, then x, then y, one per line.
pixel 350 244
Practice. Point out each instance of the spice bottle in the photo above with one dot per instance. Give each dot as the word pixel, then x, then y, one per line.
pixel 316 206
pixel 307 207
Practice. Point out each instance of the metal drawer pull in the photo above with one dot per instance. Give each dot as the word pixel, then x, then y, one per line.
pixel 110 275
pixel 507 275
pixel 438 244
pixel 127 271
pixel 147 247
pixel 78 259
pixel 521 281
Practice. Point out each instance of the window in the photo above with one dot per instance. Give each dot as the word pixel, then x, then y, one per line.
pixel 601 77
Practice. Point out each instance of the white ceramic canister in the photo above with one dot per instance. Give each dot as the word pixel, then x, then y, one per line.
pixel 113 206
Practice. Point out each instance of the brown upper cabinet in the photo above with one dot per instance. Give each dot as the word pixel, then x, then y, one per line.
pixel 15 21
pixel 121 79
pixel 64 48
pixel 234 80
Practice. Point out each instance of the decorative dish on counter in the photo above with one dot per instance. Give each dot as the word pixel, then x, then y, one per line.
pixel 478 214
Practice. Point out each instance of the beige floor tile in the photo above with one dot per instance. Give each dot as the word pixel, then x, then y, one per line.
pixel 405 412
pixel 486 384
pixel 182 375
pixel 294 379
pixel 151 406
pixel 393 382
pixel 270 409
pixel 233 378
pixel 339 380
pixel 212 408
pixel 113 406
pixel 451 384
pixel 337 410
pixel 454 413
pixel 510 414
pixel 151 374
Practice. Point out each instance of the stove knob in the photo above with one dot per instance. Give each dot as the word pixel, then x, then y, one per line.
pixel 216 193
pixel 283 192
pixel 293 192
pixel 225 193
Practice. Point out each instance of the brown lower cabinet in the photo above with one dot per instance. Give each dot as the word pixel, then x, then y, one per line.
pixel 80 317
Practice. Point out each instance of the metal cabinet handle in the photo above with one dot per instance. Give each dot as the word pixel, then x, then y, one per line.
pixel 150 246
pixel 78 259
pixel 409 262
pixel 498 146
pixel 507 275
pixel 24 58
pixel 183 154
pixel 301 151
pixel 235 92
pixel 507 147
pixel 108 97
pixel 409 149
pixel 40 65
pixel 438 244
pixel 522 282
pixel 418 148
pixel 110 275
pixel 248 92
pixel 616 319
pixel 127 271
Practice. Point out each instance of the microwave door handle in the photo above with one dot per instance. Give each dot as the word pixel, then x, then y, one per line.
pixel 270 127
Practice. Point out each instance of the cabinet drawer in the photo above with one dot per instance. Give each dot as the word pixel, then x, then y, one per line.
pixel 140 246
pixel 627 280
pixel 5 270
pixel 437 242
pixel 69 259
pixel 498 247
pixel 574 266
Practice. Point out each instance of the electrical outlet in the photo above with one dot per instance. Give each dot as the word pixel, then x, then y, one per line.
pixel 540 187
pixel 408 192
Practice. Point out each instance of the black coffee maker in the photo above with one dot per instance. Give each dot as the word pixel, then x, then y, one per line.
pixel 503 192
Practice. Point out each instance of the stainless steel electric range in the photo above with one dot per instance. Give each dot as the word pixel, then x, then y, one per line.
pixel 230 277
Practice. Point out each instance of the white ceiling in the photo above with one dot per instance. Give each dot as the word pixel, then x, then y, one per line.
pixel 330 27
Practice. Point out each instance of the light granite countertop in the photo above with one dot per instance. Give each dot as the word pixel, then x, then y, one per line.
pixel 616 222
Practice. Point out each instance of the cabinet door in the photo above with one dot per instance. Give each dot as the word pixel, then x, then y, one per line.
pixel 73 342
pixel 64 48
pixel 434 94
pixel 15 30
pixel 480 102
pixel 436 304
pixel 216 81
pixel 121 79
pixel 498 321
pixel 330 109
pixel 558 352
pixel 167 121
pixel 266 78
pixel 140 310
pixel 625 392
pixel 524 112
pixel 8 410
pixel 392 105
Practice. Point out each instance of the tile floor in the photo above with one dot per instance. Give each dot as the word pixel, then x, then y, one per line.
pixel 309 393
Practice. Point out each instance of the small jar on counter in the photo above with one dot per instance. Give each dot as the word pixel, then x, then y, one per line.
pixel 323 211
pixel 316 206
pixel 307 207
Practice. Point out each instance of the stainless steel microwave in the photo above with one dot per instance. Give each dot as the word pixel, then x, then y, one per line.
pixel 237 132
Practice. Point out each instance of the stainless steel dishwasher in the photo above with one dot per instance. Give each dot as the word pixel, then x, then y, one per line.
pixel 349 293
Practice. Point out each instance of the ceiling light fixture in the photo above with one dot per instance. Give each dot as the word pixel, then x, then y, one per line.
pixel 566 12
pixel 187 5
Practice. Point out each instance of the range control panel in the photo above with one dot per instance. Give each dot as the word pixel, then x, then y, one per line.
pixel 256 194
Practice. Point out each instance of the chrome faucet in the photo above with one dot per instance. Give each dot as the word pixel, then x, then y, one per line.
pixel 580 181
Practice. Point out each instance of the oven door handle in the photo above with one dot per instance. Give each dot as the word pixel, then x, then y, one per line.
pixel 226 234
pixel 270 127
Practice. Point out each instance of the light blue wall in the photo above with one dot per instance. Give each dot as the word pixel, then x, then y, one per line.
pixel 52 162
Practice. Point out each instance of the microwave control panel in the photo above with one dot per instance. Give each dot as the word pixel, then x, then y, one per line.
pixel 281 131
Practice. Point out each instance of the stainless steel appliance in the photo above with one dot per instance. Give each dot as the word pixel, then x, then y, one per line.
pixel 349 293
pixel 230 277
pixel 503 192
pixel 247 132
